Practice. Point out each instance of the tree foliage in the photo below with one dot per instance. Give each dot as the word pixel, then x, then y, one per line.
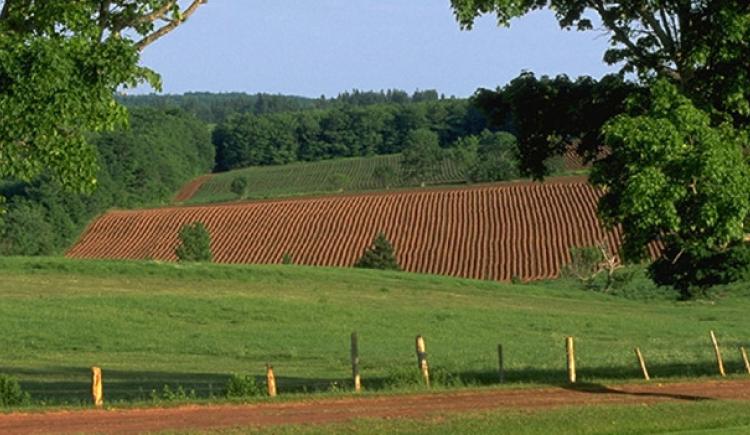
pixel 347 130
pixel 379 256
pixel 422 155
pixel 139 166
pixel 194 243
pixel 60 65
pixel 673 177
pixel 548 116
pixel 702 46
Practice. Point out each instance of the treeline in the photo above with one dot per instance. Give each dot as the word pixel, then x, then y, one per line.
pixel 214 108
pixel 552 115
pixel 348 130
pixel 142 165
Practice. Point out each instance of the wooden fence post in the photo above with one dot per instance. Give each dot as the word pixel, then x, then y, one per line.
pixel 642 363
pixel 570 351
pixel 719 361
pixel 743 352
pixel 355 362
pixel 97 395
pixel 422 360
pixel 271 381
pixel 500 368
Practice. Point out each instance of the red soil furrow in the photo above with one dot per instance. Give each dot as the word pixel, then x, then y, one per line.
pixel 502 231
pixel 191 188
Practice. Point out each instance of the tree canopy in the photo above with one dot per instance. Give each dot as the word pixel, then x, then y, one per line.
pixel 702 46
pixel 674 170
pixel 61 63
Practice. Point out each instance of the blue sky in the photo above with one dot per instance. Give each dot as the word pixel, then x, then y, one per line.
pixel 314 47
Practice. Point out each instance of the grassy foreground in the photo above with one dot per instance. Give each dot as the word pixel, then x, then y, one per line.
pixel 150 325
pixel 306 178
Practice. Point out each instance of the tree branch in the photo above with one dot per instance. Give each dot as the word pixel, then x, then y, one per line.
pixel 173 24
pixel 157 14
pixel 6 8
pixel 103 17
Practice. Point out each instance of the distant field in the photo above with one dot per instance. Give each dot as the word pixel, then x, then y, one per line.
pixel 520 230
pixel 150 324
pixel 340 175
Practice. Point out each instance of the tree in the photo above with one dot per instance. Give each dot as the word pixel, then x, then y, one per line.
pixel 673 177
pixel 195 243
pixel 61 63
pixel 497 158
pixel 379 256
pixel 675 172
pixel 239 186
pixel 550 115
pixel 422 155
pixel 701 46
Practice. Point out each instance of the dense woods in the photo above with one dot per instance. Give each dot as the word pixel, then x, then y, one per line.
pixel 143 165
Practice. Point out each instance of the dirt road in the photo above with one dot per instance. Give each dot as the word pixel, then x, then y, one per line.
pixel 341 410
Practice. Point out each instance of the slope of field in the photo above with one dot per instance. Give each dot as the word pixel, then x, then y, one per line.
pixel 192 325
pixel 348 175
pixel 512 230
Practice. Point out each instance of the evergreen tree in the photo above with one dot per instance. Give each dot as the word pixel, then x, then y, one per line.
pixel 379 256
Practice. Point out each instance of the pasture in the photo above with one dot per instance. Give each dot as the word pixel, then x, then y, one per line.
pixel 152 324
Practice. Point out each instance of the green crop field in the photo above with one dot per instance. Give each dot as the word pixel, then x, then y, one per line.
pixel 149 325
pixel 347 175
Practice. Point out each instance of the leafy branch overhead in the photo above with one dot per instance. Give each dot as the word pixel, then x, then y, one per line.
pixel 61 63
pixel 703 46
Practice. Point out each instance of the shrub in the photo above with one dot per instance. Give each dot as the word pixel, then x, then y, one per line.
pixel 287 258
pixel 696 270
pixel 242 386
pixel 239 186
pixel 11 393
pixel 385 175
pixel 195 243
pixel 379 256
pixel 584 263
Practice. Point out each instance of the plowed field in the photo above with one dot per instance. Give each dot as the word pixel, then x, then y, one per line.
pixel 522 230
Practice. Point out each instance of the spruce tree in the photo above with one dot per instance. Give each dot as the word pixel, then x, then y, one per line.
pixel 379 256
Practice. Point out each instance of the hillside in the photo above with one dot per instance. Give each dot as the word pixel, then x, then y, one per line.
pixel 305 178
pixel 512 230
pixel 150 324
pixel 357 174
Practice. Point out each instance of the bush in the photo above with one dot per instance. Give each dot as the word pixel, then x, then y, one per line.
pixel 695 271
pixel 242 387
pixel 287 258
pixel 379 256
pixel 584 263
pixel 195 243
pixel 11 393
pixel 239 186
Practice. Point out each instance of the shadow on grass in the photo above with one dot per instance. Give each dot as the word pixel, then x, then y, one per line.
pixel 594 388
pixel 71 385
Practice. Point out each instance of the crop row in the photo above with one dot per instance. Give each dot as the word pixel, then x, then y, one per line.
pixel 522 230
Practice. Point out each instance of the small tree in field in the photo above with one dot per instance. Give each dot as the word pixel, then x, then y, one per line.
pixel 195 243
pixel 239 186
pixel 379 256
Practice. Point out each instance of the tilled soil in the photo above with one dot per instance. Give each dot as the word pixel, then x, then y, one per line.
pixel 343 410
pixel 520 229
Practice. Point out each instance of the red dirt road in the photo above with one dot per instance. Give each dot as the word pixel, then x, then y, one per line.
pixel 342 410
pixel 191 188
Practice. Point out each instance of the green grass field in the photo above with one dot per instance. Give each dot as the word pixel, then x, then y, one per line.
pixel 150 325
pixel 305 178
